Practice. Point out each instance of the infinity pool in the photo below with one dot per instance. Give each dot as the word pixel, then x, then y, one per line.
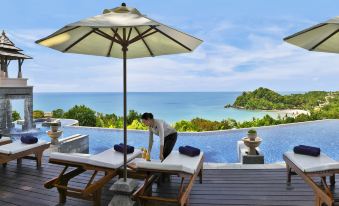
pixel 220 146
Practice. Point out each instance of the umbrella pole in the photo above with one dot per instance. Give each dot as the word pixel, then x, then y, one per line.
pixel 124 48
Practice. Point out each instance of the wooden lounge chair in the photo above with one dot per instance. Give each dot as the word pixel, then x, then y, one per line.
pixel 18 151
pixel 107 162
pixel 175 164
pixel 5 140
pixel 309 168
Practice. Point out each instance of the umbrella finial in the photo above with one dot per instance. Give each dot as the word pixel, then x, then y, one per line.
pixel 3 32
pixel 123 4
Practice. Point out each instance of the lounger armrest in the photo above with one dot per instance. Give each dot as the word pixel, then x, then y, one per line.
pixel 70 157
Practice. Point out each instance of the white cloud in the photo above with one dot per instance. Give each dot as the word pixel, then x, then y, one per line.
pixel 261 59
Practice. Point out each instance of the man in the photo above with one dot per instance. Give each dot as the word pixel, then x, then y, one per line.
pixel 167 134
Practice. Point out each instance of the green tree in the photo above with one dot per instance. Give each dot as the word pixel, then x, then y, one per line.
pixel 136 124
pixel 15 115
pixel 38 114
pixel 133 115
pixel 99 122
pixel 58 113
pixel 184 126
pixel 83 114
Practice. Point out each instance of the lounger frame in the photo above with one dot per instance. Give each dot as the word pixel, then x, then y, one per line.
pixel 323 194
pixel 92 190
pixel 142 195
pixel 36 151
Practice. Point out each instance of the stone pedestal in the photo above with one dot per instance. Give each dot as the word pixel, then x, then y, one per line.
pixel 253 159
pixel 54 136
pixel 123 192
pixel 245 158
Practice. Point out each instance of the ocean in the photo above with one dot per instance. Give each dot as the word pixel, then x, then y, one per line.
pixel 170 106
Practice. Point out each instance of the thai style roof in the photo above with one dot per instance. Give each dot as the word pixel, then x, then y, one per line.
pixel 9 50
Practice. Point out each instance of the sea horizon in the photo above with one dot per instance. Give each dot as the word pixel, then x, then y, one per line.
pixel 280 92
pixel 170 106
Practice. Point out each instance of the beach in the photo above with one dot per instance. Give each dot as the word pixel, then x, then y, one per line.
pixel 291 112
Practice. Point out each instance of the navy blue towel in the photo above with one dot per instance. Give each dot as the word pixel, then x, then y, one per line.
pixel 189 151
pixel 0 136
pixel 120 148
pixel 29 139
pixel 307 150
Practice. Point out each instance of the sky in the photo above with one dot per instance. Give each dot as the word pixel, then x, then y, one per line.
pixel 242 49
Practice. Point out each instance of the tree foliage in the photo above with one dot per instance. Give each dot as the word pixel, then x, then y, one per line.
pixel 259 99
pixel 38 114
pixel 83 114
pixel 58 113
pixel 266 99
pixel 15 115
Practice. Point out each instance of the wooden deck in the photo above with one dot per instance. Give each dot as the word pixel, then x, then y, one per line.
pixel 23 185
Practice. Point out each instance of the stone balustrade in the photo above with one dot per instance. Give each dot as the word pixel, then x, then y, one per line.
pixel 13 82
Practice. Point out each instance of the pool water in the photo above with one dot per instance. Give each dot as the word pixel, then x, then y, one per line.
pixel 220 146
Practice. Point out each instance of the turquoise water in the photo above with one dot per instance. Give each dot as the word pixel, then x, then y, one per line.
pixel 221 146
pixel 170 106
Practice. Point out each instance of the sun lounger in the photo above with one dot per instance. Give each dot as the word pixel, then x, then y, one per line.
pixel 18 151
pixel 5 140
pixel 107 162
pixel 309 168
pixel 175 164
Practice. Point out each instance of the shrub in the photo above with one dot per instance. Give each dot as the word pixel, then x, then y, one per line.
pixel 15 115
pixel 252 131
pixel 58 113
pixel 184 126
pixel 38 114
pixel 205 125
pixel 133 115
pixel 99 122
pixel 136 124
pixel 83 114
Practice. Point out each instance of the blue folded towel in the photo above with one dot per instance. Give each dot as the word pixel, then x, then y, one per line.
pixel 120 148
pixel 29 139
pixel 307 150
pixel 189 151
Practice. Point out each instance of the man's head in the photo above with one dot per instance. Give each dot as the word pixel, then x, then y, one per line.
pixel 147 119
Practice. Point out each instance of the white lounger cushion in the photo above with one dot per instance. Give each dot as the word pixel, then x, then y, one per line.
pixel 71 157
pixel 18 146
pixel 174 162
pixel 111 158
pixel 3 139
pixel 108 158
pixel 312 164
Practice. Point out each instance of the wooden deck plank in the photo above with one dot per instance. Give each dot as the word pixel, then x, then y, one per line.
pixel 23 185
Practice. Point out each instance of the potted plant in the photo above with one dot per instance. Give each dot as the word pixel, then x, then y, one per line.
pixel 54 126
pixel 252 134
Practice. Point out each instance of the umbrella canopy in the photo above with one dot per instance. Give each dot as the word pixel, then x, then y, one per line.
pixel 103 35
pixel 323 37
pixel 122 32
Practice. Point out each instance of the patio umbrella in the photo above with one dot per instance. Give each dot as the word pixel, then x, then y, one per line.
pixel 122 32
pixel 323 37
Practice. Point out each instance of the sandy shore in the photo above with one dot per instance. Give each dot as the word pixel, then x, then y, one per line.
pixel 291 112
pixel 282 112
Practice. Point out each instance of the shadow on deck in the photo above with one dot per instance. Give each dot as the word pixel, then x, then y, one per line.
pixel 23 185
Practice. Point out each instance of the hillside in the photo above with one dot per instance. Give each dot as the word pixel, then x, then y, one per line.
pixel 266 99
